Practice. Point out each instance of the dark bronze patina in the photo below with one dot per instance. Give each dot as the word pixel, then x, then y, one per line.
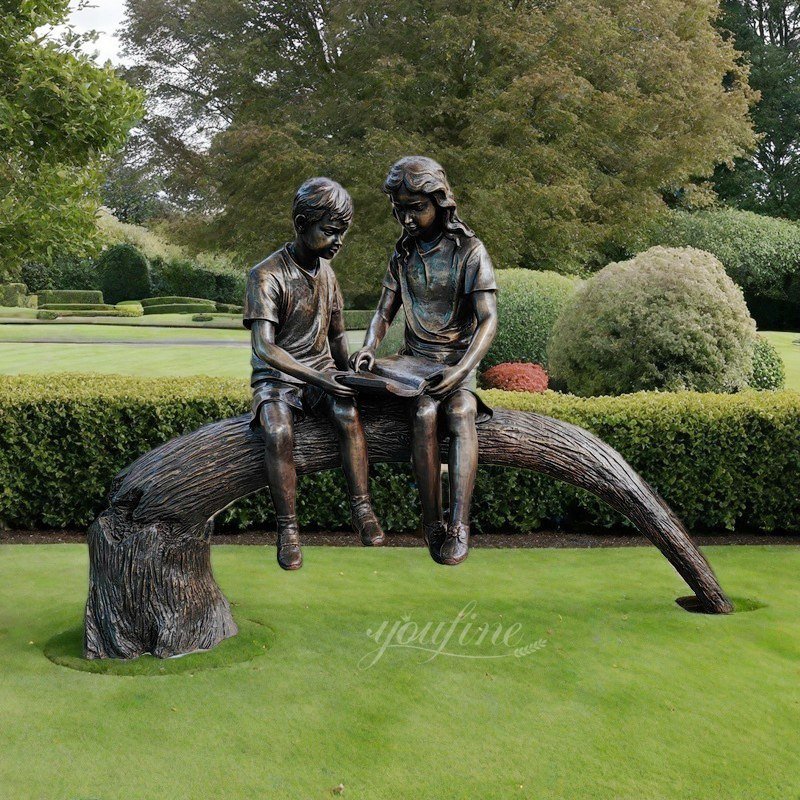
pixel 442 276
pixel 293 308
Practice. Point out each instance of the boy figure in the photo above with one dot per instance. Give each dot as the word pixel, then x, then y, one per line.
pixel 293 308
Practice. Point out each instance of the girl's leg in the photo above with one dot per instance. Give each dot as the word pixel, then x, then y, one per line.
pixel 460 410
pixel 425 458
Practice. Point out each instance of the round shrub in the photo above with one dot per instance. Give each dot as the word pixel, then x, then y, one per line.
pixel 528 304
pixel 123 274
pixel 516 376
pixel 769 372
pixel 202 318
pixel 668 319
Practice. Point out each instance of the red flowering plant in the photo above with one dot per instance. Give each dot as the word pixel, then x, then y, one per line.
pixel 516 376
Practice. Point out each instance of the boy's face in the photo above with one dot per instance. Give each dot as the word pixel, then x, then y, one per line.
pixel 415 212
pixel 324 237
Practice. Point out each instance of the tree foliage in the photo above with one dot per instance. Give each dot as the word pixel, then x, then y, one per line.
pixel 768 181
pixel 59 113
pixel 559 123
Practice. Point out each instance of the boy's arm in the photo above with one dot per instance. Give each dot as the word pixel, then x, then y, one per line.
pixel 485 305
pixel 262 336
pixel 387 308
pixel 337 337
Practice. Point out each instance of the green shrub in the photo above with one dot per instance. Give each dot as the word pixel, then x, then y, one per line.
pixel 769 371
pixel 668 319
pixel 49 296
pixel 720 461
pixel 229 308
pixel 185 278
pixel 68 273
pixel 528 304
pixel 113 311
pixel 123 273
pixel 179 308
pixel 127 303
pixel 13 295
pixel 47 315
pixel 202 318
pixel 358 319
pixel 172 300
pixel 760 253
pixel 77 307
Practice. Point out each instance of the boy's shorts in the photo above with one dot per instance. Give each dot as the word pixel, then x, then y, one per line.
pixel 304 399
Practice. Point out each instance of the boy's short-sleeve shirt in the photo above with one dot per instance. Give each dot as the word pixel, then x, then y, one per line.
pixel 435 285
pixel 300 304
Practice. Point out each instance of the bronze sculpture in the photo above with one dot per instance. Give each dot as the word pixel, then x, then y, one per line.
pixel 442 277
pixel 293 308
pixel 151 588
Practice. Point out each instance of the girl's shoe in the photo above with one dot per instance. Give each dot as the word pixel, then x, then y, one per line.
pixel 455 547
pixel 434 534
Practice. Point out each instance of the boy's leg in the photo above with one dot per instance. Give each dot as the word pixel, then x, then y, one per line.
pixel 276 420
pixel 460 410
pixel 343 413
pixel 428 470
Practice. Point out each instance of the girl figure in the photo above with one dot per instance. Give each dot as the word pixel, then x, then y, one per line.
pixel 442 276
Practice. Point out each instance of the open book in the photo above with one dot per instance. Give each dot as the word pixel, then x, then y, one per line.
pixel 403 376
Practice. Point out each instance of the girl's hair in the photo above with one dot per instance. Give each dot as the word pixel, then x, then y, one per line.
pixel 422 175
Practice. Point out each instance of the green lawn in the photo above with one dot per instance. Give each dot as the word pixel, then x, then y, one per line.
pixel 785 341
pixel 630 697
pixel 23 351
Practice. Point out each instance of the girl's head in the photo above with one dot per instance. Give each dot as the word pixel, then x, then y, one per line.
pixel 422 200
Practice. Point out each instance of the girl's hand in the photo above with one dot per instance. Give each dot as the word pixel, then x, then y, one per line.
pixel 450 380
pixel 362 359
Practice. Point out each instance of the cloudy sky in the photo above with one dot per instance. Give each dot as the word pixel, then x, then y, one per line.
pixel 105 16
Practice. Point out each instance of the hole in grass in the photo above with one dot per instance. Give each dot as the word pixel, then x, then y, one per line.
pixel 740 604
pixel 253 640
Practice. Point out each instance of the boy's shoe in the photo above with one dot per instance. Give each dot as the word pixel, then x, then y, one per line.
pixel 290 556
pixel 434 534
pixel 365 523
pixel 456 544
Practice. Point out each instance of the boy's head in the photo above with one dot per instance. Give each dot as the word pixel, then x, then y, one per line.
pixel 322 212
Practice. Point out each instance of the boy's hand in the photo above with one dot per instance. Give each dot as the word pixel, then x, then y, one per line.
pixel 329 384
pixel 450 379
pixel 362 359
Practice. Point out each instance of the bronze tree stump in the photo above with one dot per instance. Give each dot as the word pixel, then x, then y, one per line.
pixel 151 586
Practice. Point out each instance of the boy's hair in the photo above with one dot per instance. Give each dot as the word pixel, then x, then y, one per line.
pixel 320 196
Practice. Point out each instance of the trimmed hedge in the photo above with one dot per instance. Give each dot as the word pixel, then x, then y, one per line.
pixel 229 308
pixel 114 311
pixel 48 296
pixel 13 295
pixel 173 299
pixel 720 460
pixel 769 371
pixel 528 305
pixel 124 273
pixel 184 278
pixel 179 308
pixel 77 307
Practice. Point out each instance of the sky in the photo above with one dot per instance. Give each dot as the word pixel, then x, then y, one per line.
pixel 104 16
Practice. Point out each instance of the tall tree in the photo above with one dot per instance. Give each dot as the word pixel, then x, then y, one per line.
pixel 59 113
pixel 560 123
pixel 768 31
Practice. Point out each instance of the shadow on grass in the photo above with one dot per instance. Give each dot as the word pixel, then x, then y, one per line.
pixel 740 604
pixel 253 640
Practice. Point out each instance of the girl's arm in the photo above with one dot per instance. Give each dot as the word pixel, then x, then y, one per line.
pixel 384 314
pixel 485 304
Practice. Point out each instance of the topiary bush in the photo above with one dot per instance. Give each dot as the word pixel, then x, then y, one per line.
pixel 769 371
pixel 49 296
pixel 124 273
pixel 173 300
pixel 668 319
pixel 516 376
pixel 13 295
pixel 760 253
pixel 528 304
pixel 202 318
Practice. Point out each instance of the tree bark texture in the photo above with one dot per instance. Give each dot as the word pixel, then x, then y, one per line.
pixel 151 585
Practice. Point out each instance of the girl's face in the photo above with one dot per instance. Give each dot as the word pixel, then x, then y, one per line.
pixel 416 213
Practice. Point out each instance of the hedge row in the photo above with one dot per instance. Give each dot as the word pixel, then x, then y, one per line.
pixel 173 299
pixel 114 311
pixel 720 460
pixel 77 307
pixel 180 308
pixel 49 296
